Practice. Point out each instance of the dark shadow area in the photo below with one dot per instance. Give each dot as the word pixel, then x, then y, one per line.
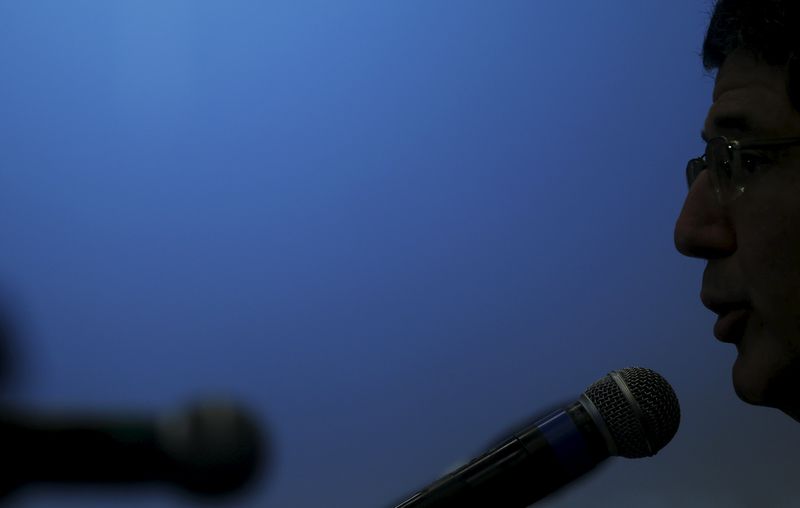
pixel 11 358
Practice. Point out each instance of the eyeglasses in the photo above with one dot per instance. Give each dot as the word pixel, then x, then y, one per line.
pixel 733 162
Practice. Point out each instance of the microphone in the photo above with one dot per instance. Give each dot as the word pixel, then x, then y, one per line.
pixel 210 448
pixel 631 413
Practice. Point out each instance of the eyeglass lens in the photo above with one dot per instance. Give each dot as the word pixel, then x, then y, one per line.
pixel 719 158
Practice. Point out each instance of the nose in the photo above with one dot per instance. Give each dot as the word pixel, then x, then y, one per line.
pixel 704 228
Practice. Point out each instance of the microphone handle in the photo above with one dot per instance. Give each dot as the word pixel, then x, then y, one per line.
pixel 524 468
pixel 80 450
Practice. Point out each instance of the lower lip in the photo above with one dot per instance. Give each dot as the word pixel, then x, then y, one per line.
pixel 730 327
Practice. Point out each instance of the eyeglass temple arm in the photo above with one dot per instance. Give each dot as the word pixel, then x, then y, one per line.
pixel 771 142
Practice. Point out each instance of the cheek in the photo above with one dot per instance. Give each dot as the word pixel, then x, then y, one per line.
pixel 775 294
pixel 768 253
pixel 773 330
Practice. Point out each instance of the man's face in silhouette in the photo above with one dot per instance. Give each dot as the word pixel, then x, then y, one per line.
pixel 752 244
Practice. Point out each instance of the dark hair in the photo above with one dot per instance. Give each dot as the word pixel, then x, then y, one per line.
pixel 768 28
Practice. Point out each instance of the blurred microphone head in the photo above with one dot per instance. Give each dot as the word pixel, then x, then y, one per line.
pixel 636 410
pixel 214 447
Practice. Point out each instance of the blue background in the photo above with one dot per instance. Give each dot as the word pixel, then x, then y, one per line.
pixel 393 229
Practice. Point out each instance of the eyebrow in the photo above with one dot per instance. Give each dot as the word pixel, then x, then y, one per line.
pixel 738 122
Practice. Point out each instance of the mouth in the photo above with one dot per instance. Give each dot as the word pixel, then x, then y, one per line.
pixel 730 326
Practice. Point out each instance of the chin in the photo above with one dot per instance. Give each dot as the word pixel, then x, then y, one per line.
pixel 794 412
pixel 745 386
pixel 767 384
pixel 751 382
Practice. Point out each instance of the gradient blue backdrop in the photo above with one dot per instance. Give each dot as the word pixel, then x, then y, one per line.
pixel 393 229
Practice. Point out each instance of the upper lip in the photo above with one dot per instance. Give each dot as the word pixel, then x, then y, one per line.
pixel 722 306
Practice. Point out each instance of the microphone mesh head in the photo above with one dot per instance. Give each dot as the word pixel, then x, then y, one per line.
pixel 214 447
pixel 641 421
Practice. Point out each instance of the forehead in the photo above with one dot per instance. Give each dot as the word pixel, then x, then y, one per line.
pixel 750 101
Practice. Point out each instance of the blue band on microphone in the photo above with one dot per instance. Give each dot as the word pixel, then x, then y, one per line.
pixel 567 442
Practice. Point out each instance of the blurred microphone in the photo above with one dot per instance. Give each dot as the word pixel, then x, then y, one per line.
pixel 632 413
pixel 210 448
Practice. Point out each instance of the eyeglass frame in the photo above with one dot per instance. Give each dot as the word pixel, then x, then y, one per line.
pixel 734 147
